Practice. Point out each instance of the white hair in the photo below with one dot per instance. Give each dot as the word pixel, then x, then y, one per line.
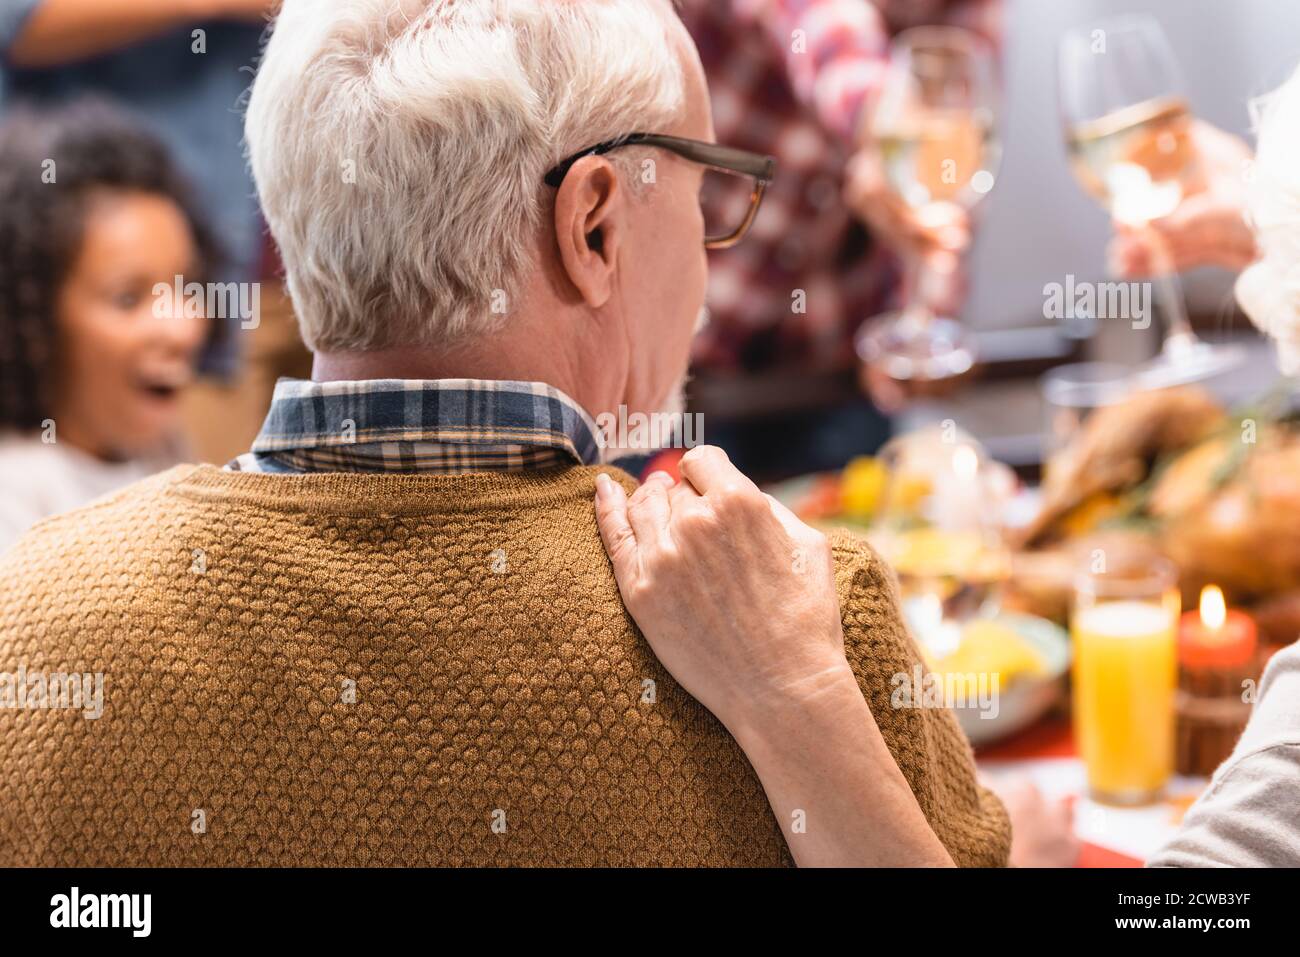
pixel 399 148
pixel 1269 290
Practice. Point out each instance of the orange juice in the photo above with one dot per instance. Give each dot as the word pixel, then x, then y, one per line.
pixel 1125 675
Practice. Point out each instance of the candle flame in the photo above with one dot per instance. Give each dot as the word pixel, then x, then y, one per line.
pixel 1214 611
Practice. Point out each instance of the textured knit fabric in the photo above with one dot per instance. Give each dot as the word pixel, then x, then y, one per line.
pixel 393 669
pixel 443 426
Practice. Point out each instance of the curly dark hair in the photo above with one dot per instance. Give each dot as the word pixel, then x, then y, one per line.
pixel 94 147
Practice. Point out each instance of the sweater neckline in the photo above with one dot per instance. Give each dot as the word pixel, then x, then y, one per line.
pixel 372 493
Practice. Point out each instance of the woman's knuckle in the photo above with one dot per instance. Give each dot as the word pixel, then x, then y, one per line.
pixel 693 522
pixel 697 454
pixel 737 500
pixel 640 593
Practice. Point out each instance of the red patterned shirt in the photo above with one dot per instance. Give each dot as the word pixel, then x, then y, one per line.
pixel 790 78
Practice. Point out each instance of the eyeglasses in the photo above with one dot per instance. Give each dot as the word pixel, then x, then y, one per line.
pixel 732 189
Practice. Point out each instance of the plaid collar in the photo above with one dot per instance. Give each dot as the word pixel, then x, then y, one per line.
pixel 439 426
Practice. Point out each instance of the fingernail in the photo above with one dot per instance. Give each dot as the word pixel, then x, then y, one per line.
pixel 604 487
pixel 660 476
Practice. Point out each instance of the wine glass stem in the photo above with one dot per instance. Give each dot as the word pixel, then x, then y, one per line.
pixel 917 310
pixel 1170 292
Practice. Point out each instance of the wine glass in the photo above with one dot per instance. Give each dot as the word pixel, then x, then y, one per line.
pixel 1072 393
pixel 939 526
pixel 934 130
pixel 1128 130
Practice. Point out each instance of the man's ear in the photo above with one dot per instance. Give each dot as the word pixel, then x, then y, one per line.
pixel 589 222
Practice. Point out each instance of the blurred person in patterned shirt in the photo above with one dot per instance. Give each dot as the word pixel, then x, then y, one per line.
pixel 796 78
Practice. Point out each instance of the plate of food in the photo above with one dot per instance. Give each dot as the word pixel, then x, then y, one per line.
pixel 1005 673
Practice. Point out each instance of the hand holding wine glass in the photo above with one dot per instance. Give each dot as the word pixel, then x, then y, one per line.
pixel 1207 228
pixel 929 154
pixel 936 234
pixel 1130 135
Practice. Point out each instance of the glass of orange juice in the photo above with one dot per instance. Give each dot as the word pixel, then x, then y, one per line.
pixel 1125 674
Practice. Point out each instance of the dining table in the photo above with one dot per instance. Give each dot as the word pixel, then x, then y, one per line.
pixel 1110 836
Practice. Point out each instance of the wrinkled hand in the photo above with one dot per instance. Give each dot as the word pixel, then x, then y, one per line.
pixel 1207 228
pixel 734 594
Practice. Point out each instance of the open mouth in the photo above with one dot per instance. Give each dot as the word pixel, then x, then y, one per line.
pixel 161 391
pixel 163 388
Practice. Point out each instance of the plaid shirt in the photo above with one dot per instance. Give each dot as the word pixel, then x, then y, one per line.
pixel 791 78
pixel 442 426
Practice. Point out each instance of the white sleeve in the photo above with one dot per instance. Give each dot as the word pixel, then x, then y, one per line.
pixel 1250 814
pixel 14 520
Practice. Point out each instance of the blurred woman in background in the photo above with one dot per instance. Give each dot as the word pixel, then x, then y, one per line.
pixel 93 215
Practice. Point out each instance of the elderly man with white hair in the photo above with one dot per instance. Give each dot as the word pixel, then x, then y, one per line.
pixel 389 633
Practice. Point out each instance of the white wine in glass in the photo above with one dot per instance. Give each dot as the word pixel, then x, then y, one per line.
pixel 934 129
pixel 1128 131
pixel 1138 160
pixel 938 155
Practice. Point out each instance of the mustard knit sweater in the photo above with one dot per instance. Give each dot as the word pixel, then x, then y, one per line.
pixel 392 669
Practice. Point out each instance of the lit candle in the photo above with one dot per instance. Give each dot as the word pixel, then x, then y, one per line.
pixel 1214 635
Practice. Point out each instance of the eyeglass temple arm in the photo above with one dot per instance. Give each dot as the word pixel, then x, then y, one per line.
pixel 760 167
